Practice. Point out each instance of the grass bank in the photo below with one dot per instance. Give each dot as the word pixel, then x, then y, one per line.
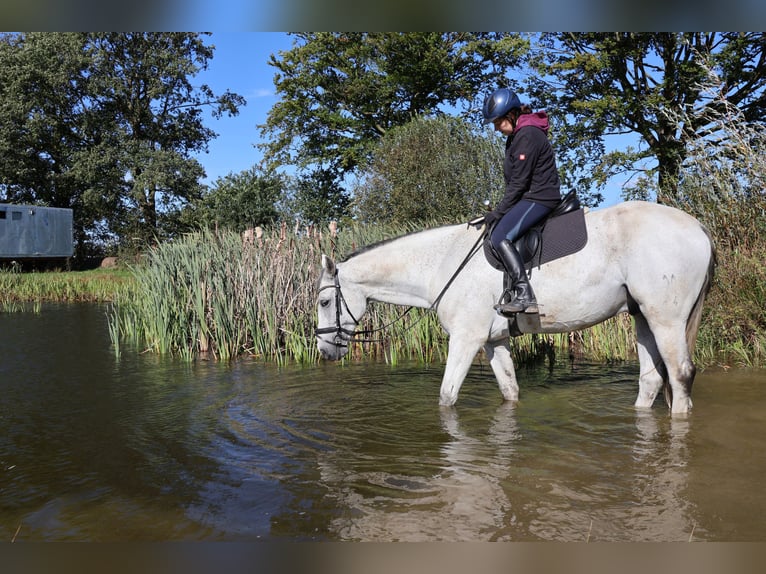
pixel 97 285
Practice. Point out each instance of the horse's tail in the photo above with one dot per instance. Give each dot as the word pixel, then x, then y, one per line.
pixel 693 322
pixel 695 315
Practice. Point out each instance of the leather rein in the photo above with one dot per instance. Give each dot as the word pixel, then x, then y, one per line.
pixel 344 336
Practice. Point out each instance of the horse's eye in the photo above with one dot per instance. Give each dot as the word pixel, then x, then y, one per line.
pixel 324 303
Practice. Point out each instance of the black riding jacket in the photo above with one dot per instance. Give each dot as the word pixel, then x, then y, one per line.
pixel 530 164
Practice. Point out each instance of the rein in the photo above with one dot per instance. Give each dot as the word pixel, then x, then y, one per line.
pixel 352 336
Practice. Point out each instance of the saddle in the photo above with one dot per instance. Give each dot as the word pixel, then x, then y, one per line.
pixel 561 233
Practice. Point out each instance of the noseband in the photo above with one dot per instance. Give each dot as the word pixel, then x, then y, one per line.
pixel 339 330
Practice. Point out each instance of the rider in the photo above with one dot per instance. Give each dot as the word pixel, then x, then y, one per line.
pixel 531 188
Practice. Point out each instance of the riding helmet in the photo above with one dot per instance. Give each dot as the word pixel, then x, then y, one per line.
pixel 499 103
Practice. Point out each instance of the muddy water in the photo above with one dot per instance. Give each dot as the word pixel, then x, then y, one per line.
pixel 139 448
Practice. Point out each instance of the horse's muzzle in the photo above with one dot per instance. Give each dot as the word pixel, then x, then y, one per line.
pixel 332 351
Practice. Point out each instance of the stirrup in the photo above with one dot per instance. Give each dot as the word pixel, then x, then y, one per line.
pixel 513 307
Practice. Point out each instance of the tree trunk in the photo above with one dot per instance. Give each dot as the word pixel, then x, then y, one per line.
pixel 670 156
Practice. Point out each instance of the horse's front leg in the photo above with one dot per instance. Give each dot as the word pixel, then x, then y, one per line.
pixel 501 361
pixel 460 356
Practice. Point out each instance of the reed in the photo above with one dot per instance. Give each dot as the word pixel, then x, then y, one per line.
pixel 733 328
pixel 213 294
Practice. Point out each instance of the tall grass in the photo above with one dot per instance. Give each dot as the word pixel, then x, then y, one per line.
pixel 213 294
pixel 723 184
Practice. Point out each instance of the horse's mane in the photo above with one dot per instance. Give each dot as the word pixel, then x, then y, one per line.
pixel 382 242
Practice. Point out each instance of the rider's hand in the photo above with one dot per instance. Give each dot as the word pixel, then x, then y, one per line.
pixel 491 217
pixel 477 222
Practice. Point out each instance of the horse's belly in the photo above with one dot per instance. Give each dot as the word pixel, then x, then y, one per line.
pixel 571 318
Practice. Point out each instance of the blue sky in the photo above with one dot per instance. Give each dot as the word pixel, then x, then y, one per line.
pixel 240 64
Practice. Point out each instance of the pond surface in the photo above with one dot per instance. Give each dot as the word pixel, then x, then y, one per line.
pixel 140 448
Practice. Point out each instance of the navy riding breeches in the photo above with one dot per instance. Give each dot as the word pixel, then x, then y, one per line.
pixel 517 220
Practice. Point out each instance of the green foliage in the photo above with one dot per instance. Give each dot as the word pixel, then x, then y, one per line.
pixel 341 92
pixel 143 81
pixel 317 197
pixel 105 123
pixel 596 84
pixel 439 169
pixel 241 201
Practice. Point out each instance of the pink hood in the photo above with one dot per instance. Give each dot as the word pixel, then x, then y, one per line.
pixel 537 119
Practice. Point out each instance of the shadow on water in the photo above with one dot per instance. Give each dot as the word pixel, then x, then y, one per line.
pixel 142 448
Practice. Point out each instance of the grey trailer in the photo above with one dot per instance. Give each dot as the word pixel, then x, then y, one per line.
pixel 32 232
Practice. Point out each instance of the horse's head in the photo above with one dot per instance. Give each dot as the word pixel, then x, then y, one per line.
pixel 339 308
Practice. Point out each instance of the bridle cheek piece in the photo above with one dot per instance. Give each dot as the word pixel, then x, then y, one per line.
pixel 338 330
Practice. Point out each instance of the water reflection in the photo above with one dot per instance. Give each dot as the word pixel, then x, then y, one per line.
pixel 463 499
pixel 661 451
pixel 495 484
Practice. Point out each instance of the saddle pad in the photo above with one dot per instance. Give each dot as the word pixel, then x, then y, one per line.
pixel 560 236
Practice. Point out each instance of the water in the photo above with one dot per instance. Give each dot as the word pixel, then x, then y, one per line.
pixel 147 449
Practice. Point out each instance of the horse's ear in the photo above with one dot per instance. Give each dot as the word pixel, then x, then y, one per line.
pixel 328 264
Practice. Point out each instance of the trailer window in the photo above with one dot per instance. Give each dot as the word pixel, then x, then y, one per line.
pixel 16 215
pixel 2 214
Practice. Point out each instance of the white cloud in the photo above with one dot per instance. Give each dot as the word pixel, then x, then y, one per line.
pixel 262 93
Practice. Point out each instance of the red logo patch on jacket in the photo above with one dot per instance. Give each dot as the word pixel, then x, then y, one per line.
pixel 522 157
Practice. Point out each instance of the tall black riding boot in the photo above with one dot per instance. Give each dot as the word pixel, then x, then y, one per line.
pixel 523 298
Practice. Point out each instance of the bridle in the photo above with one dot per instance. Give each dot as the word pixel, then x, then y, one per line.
pixel 338 329
pixel 351 334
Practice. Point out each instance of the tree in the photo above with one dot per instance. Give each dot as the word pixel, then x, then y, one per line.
pixel 431 169
pixel 242 200
pixel 342 92
pixel 143 82
pixel 105 124
pixel 317 198
pixel 596 84
pixel 53 148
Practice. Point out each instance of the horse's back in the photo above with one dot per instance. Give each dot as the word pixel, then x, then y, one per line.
pixel 650 230
pixel 640 218
pixel 663 248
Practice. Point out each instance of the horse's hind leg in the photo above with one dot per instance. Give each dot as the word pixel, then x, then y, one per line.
pixel 652 369
pixel 670 339
pixel 501 361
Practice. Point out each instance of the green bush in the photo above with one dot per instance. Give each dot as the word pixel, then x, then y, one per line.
pixel 440 169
